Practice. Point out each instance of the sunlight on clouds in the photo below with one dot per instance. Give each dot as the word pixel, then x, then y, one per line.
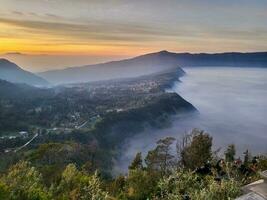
pixel 130 27
pixel 31 38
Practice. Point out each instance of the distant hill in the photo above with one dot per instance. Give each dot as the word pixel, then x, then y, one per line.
pixel 138 66
pixel 11 72
pixel 21 91
pixel 232 59
pixel 152 63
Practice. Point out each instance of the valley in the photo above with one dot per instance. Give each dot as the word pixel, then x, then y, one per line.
pixel 100 114
pixel 98 125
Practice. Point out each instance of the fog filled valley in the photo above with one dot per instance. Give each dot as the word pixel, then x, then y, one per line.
pixel 133 100
pixel 231 104
pixel 123 135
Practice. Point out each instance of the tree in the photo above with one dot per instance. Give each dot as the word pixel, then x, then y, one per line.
pixel 25 183
pixel 161 158
pixel 76 185
pixel 230 153
pixel 262 162
pixel 137 163
pixel 246 157
pixel 151 160
pixel 164 152
pixel 198 151
pixel 141 185
pixel 4 191
pixel 187 185
pixel 117 187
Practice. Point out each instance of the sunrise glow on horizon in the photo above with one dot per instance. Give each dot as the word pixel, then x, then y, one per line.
pixel 121 29
pixel 127 27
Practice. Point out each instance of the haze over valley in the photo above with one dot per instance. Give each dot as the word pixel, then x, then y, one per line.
pixel 229 100
pixel 231 104
pixel 133 100
pixel 151 63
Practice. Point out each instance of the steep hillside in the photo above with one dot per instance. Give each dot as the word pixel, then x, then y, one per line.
pixel 142 65
pixel 21 91
pixel 152 63
pixel 11 72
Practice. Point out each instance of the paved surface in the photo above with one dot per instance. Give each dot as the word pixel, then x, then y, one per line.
pixel 255 191
pixel 26 144
pixel 251 196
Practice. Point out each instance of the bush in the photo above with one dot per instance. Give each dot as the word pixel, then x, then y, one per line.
pixel 187 184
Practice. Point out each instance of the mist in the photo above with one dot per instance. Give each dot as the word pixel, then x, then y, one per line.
pixel 43 62
pixel 232 109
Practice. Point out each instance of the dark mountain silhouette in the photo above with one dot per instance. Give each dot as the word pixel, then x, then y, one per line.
pixel 153 63
pixel 21 91
pixel 138 66
pixel 13 73
pixel 232 59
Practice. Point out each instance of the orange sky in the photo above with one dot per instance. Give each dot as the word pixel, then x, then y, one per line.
pixel 119 29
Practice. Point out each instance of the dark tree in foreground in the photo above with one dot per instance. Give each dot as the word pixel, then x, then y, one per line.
pixel 198 151
pixel 230 153
pixel 160 158
pixel 137 163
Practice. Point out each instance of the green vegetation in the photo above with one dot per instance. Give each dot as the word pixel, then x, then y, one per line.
pixel 161 175
pixel 188 185
pixel 77 131
pixel 85 123
pixel 24 182
pixel 65 108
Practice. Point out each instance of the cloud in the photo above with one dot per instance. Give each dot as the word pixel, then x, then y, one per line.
pixel 18 13
pixel 93 30
pixel 14 53
pixel 174 25
pixel 53 16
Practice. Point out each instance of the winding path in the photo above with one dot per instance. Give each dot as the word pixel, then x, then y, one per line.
pixel 27 143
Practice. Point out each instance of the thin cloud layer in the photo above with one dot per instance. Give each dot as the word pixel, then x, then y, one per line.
pixel 129 28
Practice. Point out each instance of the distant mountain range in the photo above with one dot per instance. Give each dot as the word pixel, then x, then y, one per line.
pixel 129 68
pixel 152 63
pixel 134 67
pixel 21 91
pixel 11 72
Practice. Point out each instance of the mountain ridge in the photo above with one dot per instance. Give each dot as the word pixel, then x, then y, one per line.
pixel 151 63
pixel 155 53
pixel 128 68
pixel 11 91
pixel 11 72
pixel 6 64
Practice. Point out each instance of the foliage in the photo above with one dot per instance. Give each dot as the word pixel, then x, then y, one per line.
pixel 160 177
pixel 198 151
pixel 137 163
pixel 161 159
pixel 262 162
pixel 185 184
pixel 230 153
pixel 76 185
pixel 140 184
pixel 25 183
pixel 4 191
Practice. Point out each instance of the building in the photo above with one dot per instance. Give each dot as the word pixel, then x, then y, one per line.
pixel 23 133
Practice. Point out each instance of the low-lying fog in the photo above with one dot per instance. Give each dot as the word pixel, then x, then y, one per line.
pixel 232 105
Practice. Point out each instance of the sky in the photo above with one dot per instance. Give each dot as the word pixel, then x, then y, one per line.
pixel 47 34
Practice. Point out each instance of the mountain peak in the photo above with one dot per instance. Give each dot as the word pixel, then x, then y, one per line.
pixel 4 61
pixel 11 72
pixel 6 64
pixel 164 52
